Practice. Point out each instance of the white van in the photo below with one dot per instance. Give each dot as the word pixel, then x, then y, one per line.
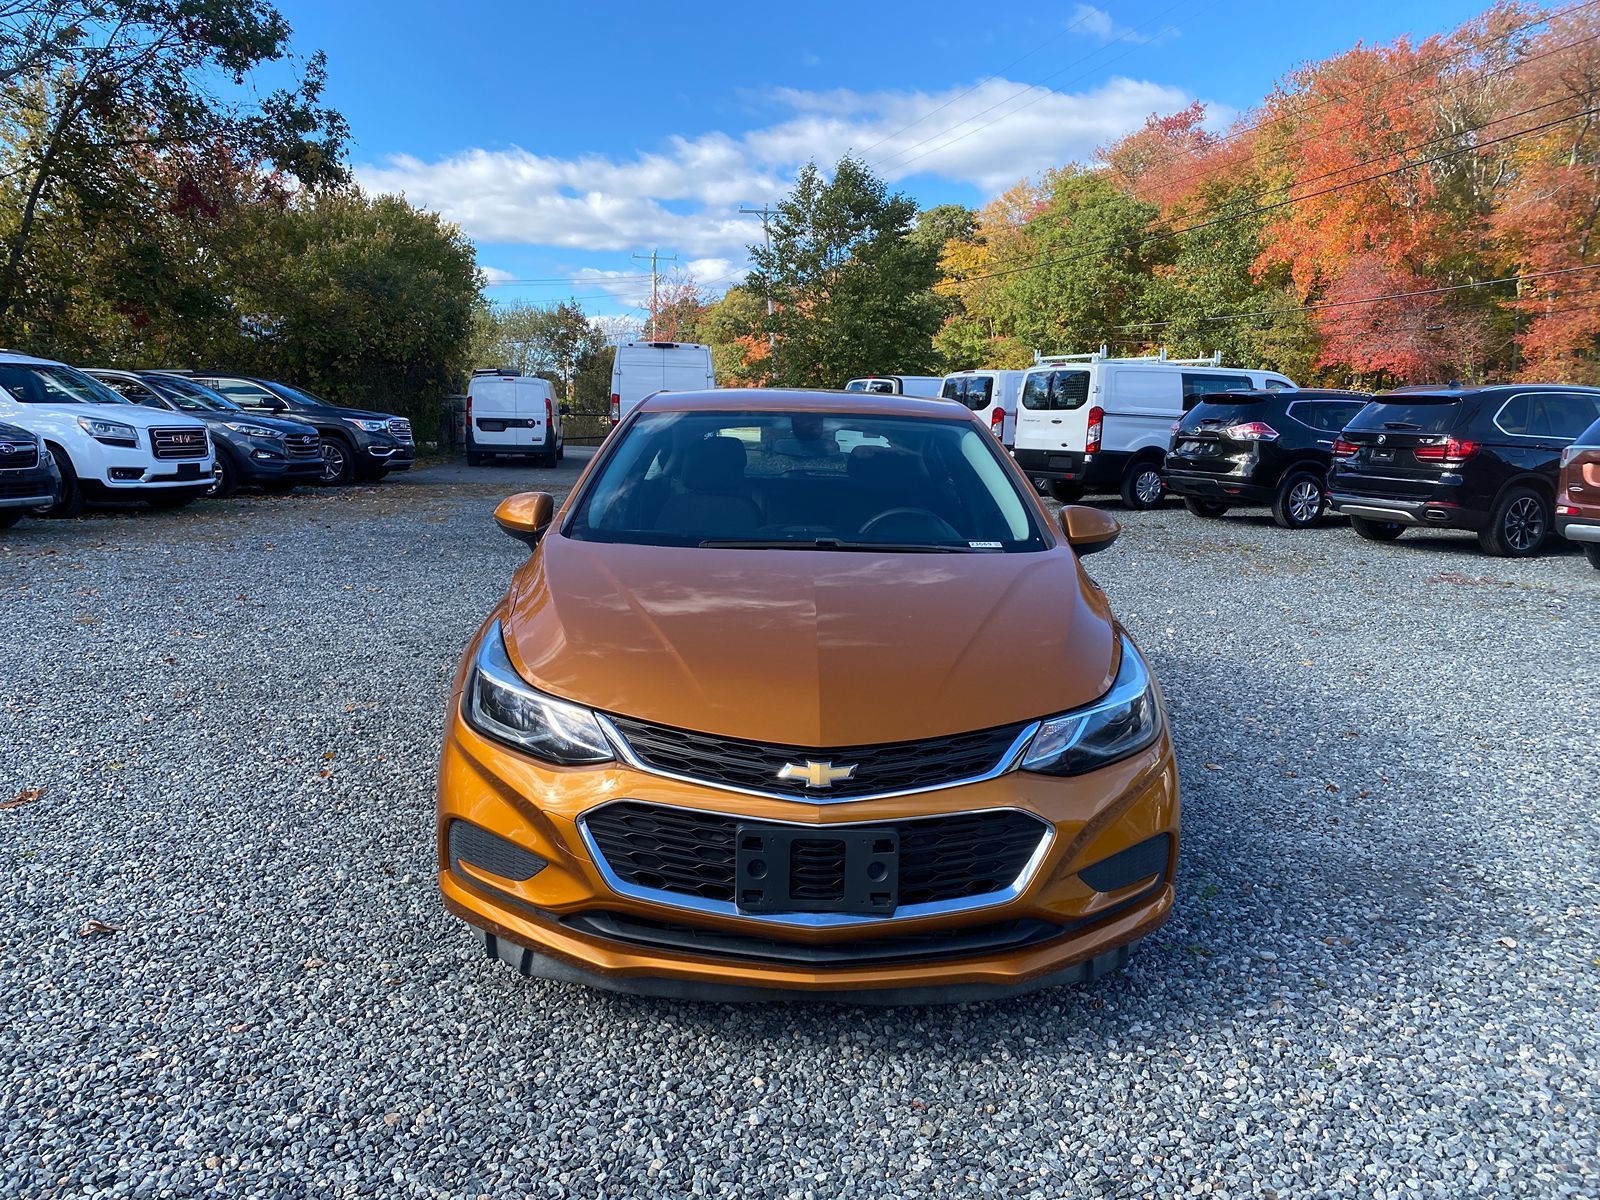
pixel 105 447
pixel 1093 423
pixel 926 386
pixel 993 395
pixel 509 413
pixel 644 368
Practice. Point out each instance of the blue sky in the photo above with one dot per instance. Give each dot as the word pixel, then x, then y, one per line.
pixel 564 137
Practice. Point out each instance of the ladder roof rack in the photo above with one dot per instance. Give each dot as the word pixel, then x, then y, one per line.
pixel 1214 359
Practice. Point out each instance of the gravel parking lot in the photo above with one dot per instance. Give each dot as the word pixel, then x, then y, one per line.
pixel 1383 978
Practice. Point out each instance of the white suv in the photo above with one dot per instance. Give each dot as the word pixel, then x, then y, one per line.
pixel 104 447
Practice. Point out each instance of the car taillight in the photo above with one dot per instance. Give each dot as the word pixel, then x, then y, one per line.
pixel 549 412
pixel 1572 452
pixel 1097 424
pixel 1251 431
pixel 1450 451
pixel 1176 425
pixel 997 423
pixel 616 408
pixel 1344 449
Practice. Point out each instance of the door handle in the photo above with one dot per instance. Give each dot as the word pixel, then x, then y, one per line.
pixel 1055 420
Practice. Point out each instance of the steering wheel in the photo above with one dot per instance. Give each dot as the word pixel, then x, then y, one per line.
pixel 940 529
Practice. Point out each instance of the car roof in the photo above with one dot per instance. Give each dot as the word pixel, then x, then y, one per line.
pixel 11 356
pixel 1292 393
pixel 1485 389
pixel 781 400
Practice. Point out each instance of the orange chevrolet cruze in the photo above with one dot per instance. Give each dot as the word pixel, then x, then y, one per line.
pixel 800 693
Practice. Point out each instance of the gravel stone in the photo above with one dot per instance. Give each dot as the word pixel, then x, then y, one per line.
pixel 1382 979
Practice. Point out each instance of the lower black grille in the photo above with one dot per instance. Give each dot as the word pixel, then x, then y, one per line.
pixel 22 490
pixel 944 943
pixel 757 766
pixel 690 853
pixel 472 844
pixel 178 443
pixel 18 455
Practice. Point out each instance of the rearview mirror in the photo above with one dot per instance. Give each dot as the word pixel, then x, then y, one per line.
pixel 526 516
pixel 1088 529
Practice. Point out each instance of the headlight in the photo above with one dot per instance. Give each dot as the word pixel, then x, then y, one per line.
pixel 113 433
pixel 255 431
pixel 498 704
pixel 369 426
pixel 1122 722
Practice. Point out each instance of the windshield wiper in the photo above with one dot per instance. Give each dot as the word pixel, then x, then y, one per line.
pixel 1400 425
pixel 831 544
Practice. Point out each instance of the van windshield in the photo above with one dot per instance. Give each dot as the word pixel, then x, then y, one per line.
pixel 805 481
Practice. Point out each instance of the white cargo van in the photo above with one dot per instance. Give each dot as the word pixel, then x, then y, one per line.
pixel 993 395
pixel 508 413
pixel 644 368
pixel 1093 423
pixel 898 385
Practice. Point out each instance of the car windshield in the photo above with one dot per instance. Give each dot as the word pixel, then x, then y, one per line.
pixel 189 396
pixel 53 383
pixel 805 481
pixel 295 395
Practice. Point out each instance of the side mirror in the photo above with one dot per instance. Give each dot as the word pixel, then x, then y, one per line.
pixel 1088 529
pixel 273 404
pixel 526 516
pixel 566 410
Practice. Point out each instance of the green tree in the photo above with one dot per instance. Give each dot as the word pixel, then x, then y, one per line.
pixel 734 329
pixel 92 90
pixel 853 290
pixel 548 340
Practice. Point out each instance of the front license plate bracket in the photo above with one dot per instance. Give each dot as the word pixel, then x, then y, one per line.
pixel 783 870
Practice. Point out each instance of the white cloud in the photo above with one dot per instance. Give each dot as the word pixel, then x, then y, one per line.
pixel 685 197
pixel 1098 23
pixel 495 275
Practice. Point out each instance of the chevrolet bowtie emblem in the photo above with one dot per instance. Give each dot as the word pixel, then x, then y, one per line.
pixel 817 774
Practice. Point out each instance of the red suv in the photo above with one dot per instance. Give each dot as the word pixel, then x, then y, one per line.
pixel 1578 494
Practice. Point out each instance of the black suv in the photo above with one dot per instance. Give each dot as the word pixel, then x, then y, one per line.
pixel 274 453
pixel 1482 458
pixel 28 475
pixel 356 444
pixel 1259 447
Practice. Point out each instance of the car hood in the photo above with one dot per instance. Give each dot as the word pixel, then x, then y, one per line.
pixel 810 648
pixel 287 425
pixel 361 413
pixel 129 414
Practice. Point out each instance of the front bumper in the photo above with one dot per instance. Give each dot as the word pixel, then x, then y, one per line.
pixel 386 453
pixel 30 487
pixel 565 921
pixel 263 460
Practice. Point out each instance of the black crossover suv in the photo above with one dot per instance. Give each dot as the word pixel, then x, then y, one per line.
pixel 274 453
pixel 356 444
pixel 1483 459
pixel 1259 447
pixel 28 475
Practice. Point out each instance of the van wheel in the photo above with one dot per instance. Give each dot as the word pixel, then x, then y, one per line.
pixel 1067 493
pixel 1592 553
pixel 1204 508
pixel 70 501
pixel 1300 501
pixel 1518 526
pixel 1142 486
pixel 561 449
pixel 1376 531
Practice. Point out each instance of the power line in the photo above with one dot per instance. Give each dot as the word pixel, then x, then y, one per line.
pixel 1277 204
pixel 565 280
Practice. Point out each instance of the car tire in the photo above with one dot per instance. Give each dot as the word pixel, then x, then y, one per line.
pixel 9 517
pixel 1067 493
pixel 226 479
pixel 338 462
pixel 69 502
pixel 1204 508
pixel 1518 526
pixel 1376 531
pixel 1592 553
pixel 1300 501
pixel 561 449
pixel 1143 487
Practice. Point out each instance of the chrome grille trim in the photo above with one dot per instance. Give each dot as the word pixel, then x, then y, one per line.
pixel 167 442
pixel 16 456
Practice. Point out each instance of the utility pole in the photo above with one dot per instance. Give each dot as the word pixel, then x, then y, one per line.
pixel 653 256
pixel 765 213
